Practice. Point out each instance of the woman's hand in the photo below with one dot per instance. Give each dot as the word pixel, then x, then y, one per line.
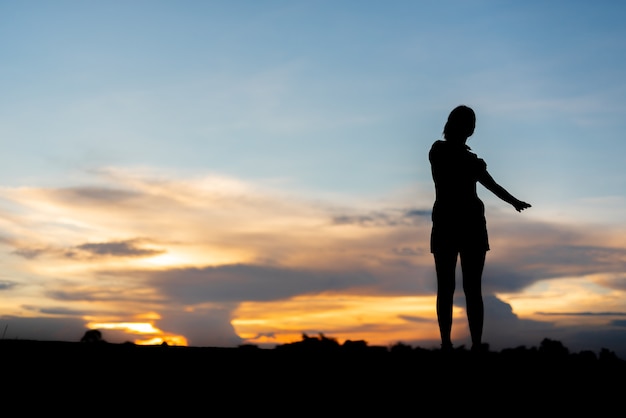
pixel 520 206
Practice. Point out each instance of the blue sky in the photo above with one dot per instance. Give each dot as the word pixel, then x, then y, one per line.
pixel 275 153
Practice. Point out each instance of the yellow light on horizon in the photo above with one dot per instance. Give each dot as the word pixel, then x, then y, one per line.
pixel 131 327
pixel 379 320
pixel 557 297
pixel 147 332
pixel 169 340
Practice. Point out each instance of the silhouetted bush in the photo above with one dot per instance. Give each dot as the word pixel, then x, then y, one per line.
pixel 248 347
pixel 354 346
pixel 92 336
pixel 401 348
pixel 320 343
pixel 607 355
pixel 553 349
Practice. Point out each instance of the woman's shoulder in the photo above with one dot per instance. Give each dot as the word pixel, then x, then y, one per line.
pixel 442 143
pixel 436 150
pixel 438 145
pixel 443 146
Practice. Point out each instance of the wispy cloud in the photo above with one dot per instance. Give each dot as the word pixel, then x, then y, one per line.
pixel 390 217
pixel 6 285
pixel 57 311
pixel 582 313
pixel 30 253
pixel 128 248
pixel 93 250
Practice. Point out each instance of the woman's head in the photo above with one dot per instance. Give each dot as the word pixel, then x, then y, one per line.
pixel 461 123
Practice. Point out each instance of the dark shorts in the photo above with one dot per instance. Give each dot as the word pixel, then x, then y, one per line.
pixel 456 236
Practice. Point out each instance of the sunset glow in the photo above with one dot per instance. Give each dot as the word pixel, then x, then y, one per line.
pixel 377 320
pixel 224 173
pixel 136 328
pixel 145 332
pixel 557 297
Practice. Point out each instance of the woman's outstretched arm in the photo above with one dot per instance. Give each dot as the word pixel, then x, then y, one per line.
pixel 488 181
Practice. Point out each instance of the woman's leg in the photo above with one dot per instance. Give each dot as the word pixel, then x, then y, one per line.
pixel 445 266
pixel 472 264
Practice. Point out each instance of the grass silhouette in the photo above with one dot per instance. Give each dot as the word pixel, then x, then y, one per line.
pixel 349 378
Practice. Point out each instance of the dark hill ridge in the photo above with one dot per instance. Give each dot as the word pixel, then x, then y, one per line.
pixel 353 377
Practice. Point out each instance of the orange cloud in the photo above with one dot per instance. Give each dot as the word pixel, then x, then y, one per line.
pixel 377 320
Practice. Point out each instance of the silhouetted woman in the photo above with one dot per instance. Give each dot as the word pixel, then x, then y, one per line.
pixel 459 226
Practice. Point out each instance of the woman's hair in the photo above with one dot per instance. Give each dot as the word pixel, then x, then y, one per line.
pixel 461 123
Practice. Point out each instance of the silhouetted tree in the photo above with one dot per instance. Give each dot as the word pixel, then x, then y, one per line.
pixel 321 343
pixel 92 336
pixel 354 346
pixel 552 348
pixel 608 355
pixel 400 347
pixel 248 347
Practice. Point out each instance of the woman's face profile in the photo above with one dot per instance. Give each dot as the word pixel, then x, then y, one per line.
pixel 472 126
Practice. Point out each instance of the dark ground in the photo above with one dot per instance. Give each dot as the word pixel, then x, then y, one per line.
pixel 311 377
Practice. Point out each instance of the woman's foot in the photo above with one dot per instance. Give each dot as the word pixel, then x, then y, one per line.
pixel 447 347
pixel 480 348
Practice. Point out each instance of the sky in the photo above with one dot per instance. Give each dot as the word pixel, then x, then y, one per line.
pixel 218 173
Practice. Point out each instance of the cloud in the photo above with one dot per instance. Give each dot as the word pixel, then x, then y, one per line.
pixel 504 329
pixel 416 319
pixel 92 250
pixel 518 268
pixel 611 280
pixel 42 328
pixel 57 311
pixel 583 258
pixel 524 252
pixel 7 285
pixel 388 218
pixel 203 326
pixel 128 248
pixel 107 196
pixel 582 313
pixel 242 282
pixel 120 293
pixel 406 251
pixel 30 253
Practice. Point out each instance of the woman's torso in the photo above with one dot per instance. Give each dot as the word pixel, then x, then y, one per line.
pixel 455 172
